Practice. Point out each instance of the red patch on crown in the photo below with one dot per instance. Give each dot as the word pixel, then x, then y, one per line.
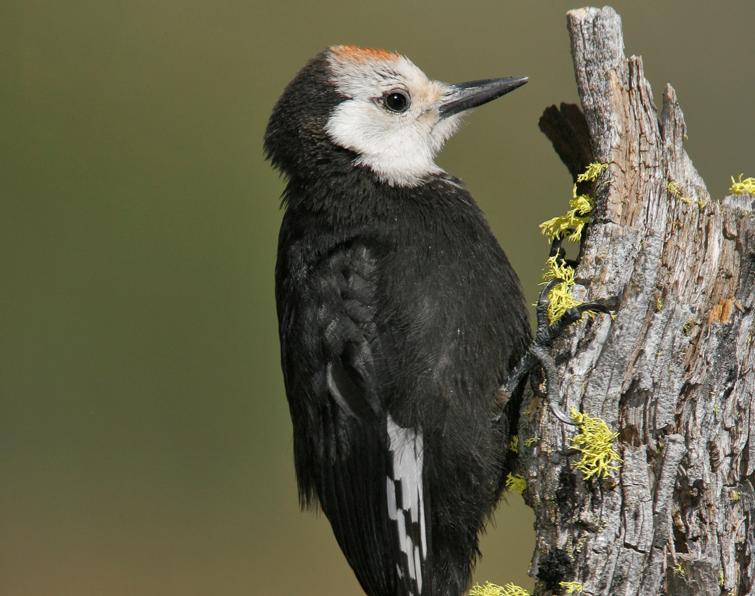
pixel 358 54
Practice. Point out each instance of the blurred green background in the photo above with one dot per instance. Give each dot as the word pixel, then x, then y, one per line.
pixel 145 447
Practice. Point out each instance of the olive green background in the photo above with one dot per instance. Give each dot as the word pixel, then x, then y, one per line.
pixel 145 446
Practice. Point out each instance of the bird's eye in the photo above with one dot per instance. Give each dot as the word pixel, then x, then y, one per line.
pixel 396 101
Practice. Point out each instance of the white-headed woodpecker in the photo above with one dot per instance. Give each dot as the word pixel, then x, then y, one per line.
pixel 399 315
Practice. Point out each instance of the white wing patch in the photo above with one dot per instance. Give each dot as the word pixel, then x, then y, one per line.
pixel 405 499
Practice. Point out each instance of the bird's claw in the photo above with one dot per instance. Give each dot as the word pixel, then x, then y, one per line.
pixel 538 354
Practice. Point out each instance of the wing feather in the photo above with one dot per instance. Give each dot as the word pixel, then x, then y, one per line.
pixel 367 470
pixel 405 497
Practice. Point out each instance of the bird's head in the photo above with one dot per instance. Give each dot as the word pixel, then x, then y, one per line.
pixel 374 105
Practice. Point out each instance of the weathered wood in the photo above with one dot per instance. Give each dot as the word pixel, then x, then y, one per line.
pixel 673 372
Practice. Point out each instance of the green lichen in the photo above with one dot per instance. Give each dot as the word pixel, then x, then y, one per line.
pixel 560 298
pixel 592 172
pixel 572 587
pixel 571 224
pixel 490 589
pixel 595 442
pixel 515 483
pixel 742 187
pixel 675 190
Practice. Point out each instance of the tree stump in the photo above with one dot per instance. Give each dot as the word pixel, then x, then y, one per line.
pixel 673 371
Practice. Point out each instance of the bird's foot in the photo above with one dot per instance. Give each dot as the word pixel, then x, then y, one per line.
pixel 538 354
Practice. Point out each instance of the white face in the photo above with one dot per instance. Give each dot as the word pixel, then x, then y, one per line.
pixel 398 145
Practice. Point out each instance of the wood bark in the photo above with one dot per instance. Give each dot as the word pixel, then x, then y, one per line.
pixel 673 372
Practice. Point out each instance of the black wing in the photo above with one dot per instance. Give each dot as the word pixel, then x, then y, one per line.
pixel 365 470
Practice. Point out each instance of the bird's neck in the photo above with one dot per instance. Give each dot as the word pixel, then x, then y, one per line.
pixel 354 202
pixel 341 193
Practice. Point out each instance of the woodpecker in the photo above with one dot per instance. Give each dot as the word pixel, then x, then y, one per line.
pixel 399 318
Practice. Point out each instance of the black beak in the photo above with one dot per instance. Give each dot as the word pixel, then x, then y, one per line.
pixel 464 96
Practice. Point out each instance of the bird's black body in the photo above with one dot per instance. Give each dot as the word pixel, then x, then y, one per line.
pixel 399 318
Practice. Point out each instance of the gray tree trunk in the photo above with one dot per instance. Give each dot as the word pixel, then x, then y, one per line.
pixel 673 372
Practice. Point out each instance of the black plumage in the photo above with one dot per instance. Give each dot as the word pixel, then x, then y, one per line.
pixel 399 318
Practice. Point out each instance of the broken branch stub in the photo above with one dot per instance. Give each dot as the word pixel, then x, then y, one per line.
pixel 673 372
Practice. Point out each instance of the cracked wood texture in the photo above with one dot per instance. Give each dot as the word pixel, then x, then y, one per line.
pixel 673 372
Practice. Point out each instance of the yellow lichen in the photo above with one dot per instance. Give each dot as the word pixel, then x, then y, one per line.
pixel 570 224
pixel 676 191
pixel 742 187
pixel 679 570
pixel 515 483
pixel 514 444
pixel 595 442
pixel 592 172
pixel 735 496
pixel 572 587
pixel 531 441
pixel 560 298
pixel 490 589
